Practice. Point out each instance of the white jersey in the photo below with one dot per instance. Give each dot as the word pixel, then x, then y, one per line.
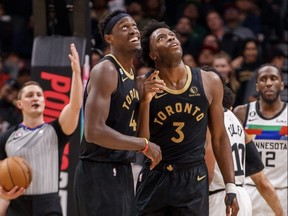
pixel 270 137
pixel 236 136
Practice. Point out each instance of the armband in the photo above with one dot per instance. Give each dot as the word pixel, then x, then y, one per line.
pixel 146 146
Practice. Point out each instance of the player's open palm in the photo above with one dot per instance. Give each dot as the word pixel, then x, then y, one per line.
pixel 154 153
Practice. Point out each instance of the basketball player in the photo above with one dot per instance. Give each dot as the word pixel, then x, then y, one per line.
pixel 177 119
pixel 103 177
pixel 265 120
pixel 247 162
pixel 42 145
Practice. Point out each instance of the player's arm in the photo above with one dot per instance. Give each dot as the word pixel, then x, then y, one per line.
pixel 240 112
pixel 209 157
pixel 69 116
pixel 102 84
pixel 220 141
pixel 149 87
pixel 254 169
pixel 268 192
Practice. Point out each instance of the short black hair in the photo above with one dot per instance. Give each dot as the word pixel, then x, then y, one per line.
pixel 228 98
pixel 267 65
pixel 103 22
pixel 145 40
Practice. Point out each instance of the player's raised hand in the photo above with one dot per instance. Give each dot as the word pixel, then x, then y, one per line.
pixel 152 86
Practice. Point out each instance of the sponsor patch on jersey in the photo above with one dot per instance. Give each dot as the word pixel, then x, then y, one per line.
pixel 194 92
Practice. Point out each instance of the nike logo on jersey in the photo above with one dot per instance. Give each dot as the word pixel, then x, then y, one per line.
pixel 157 96
pixel 123 79
pixel 253 119
pixel 199 178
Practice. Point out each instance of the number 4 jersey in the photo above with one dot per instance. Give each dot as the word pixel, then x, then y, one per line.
pixel 270 137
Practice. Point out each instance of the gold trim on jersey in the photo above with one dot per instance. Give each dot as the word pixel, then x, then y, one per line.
pixel 186 86
pixel 130 75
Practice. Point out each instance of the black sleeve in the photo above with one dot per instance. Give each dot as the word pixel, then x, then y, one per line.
pixel 62 138
pixel 254 163
pixel 3 139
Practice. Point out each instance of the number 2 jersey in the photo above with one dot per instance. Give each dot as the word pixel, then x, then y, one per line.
pixel 270 137
pixel 178 120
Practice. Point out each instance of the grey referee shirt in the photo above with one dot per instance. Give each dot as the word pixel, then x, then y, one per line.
pixel 42 147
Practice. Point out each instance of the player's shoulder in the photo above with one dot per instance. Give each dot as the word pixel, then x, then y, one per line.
pixel 104 66
pixel 240 111
pixel 211 79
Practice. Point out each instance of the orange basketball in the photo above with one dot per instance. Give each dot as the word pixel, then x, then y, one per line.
pixel 15 171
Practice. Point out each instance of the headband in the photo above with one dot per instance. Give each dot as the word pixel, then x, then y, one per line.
pixel 111 23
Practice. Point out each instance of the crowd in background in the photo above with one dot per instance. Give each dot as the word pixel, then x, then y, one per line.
pixel 234 36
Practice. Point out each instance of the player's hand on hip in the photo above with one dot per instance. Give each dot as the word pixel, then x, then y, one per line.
pixel 12 194
pixel 232 206
pixel 154 154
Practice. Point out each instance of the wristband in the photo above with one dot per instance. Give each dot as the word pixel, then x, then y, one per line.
pixel 230 188
pixel 146 146
pixel 231 191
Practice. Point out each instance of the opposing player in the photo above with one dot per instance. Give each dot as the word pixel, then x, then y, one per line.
pixel 265 120
pixel 247 162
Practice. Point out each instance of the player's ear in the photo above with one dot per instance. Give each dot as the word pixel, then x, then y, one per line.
pixel 153 55
pixel 257 87
pixel 108 38
pixel 282 86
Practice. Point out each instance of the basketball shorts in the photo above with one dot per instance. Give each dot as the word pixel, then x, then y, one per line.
pixel 260 207
pixel 35 205
pixel 173 190
pixel 103 189
pixel 217 205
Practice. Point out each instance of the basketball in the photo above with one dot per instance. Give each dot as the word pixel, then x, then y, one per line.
pixel 15 171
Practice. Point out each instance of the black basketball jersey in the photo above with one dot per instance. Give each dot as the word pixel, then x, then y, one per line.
pixel 178 120
pixel 122 118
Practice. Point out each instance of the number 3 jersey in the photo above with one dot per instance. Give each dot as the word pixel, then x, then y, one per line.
pixel 178 120
pixel 270 137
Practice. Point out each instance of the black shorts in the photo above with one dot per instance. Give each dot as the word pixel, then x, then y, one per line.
pixel 104 189
pixel 35 205
pixel 173 190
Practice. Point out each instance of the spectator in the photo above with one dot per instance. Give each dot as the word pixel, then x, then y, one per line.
pixel 245 66
pixel 222 62
pixel 9 113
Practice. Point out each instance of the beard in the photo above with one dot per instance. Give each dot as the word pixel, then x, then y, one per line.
pixel 270 100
